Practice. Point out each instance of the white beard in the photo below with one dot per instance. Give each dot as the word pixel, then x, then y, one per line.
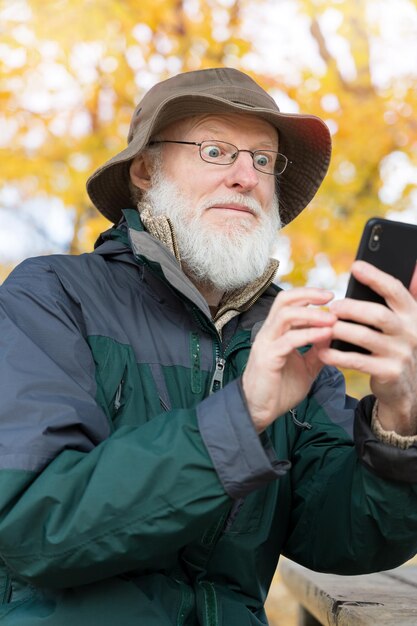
pixel 227 259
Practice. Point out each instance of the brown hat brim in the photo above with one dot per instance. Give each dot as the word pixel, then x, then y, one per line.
pixel 304 139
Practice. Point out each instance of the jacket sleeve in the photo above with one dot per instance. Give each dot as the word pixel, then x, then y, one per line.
pixel 79 502
pixel 393 462
pixel 354 510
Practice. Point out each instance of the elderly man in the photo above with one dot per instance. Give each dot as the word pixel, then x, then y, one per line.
pixel 170 421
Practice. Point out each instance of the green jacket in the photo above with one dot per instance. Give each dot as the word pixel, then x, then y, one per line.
pixel 130 494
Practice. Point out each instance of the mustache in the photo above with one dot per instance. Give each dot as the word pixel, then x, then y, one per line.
pixel 249 203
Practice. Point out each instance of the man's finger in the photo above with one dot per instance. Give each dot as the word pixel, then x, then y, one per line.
pixel 298 338
pixel 413 284
pixel 362 312
pixel 295 317
pixel 301 296
pixel 390 288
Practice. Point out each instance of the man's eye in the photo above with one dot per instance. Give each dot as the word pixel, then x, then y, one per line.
pixel 213 152
pixel 262 160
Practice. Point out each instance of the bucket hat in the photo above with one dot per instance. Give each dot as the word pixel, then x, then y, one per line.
pixel 304 139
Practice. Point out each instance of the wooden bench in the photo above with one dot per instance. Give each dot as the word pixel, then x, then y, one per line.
pixel 383 599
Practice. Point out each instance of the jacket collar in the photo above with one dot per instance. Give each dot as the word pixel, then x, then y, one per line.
pixel 156 247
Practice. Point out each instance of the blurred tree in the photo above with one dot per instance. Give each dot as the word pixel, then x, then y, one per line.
pixel 72 70
pixel 71 73
pixel 372 119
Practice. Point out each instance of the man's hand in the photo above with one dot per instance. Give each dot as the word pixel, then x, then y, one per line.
pixel 392 364
pixel 277 377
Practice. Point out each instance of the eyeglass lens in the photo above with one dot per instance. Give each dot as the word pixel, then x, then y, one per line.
pixel 224 153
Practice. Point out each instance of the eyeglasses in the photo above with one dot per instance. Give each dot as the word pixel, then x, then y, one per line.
pixel 223 153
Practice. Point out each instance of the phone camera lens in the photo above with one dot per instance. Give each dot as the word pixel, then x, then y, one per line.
pixel 375 238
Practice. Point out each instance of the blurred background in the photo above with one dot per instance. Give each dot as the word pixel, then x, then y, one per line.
pixel 71 72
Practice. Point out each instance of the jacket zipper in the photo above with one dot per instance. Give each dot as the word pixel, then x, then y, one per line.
pixel 217 379
pixel 219 368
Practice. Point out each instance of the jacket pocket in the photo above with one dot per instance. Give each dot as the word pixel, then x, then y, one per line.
pixel 110 359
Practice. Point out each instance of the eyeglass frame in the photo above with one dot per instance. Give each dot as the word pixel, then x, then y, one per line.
pixel 238 151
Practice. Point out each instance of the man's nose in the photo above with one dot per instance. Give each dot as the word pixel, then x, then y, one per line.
pixel 242 174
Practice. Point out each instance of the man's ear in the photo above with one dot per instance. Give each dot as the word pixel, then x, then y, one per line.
pixel 140 174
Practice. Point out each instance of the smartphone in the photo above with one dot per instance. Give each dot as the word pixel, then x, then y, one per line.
pixel 392 247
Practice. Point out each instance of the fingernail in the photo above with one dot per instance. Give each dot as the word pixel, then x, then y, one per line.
pixel 359 266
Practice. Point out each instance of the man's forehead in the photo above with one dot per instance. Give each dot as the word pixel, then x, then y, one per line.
pixel 216 125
